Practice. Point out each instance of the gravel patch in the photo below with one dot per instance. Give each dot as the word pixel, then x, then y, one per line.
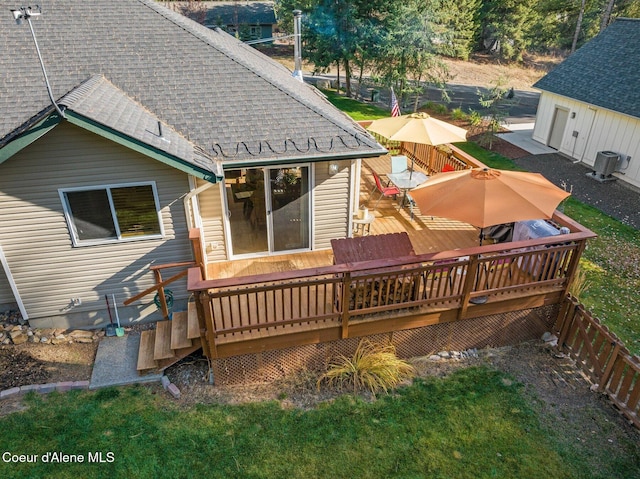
pixel 612 197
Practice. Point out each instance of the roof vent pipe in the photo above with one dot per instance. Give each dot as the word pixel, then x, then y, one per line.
pixel 297 45
pixel 25 13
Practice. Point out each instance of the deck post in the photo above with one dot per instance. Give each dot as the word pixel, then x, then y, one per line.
pixel 469 283
pixel 344 303
pixel 161 295
pixel 574 263
pixel 208 333
pixel 198 254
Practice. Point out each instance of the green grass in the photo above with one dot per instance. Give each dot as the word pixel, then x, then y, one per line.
pixel 356 109
pixel 476 423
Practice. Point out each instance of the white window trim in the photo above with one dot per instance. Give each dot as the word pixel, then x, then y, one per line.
pixel 69 216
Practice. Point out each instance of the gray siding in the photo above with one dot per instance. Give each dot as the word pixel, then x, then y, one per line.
pixel 330 204
pixel 211 211
pixel 6 295
pixel 47 269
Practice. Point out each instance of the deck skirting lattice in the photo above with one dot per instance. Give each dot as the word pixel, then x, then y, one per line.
pixel 487 331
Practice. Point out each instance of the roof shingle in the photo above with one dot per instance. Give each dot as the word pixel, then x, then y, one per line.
pixel 223 96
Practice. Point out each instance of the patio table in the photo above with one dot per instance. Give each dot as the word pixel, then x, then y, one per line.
pixel 406 180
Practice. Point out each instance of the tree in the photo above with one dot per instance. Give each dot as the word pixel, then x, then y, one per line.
pixel 578 26
pixel 506 26
pixel 456 25
pixel 607 14
pixel 338 32
pixel 497 101
pixel 405 57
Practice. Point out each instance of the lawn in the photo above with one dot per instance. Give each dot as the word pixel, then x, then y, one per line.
pixel 611 261
pixel 476 423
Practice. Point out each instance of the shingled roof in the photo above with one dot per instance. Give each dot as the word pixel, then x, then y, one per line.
pixel 242 13
pixel 228 100
pixel 604 72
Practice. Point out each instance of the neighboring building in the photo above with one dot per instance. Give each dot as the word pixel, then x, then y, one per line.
pixel 591 102
pixel 168 125
pixel 247 20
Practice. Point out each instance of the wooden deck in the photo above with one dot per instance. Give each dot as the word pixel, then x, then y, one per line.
pixel 427 234
pixel 293 306
pixel 281 301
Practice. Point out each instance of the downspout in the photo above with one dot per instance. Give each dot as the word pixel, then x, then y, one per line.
pixel 12 283
pixel 192 222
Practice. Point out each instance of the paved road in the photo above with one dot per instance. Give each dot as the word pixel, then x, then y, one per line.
pixel 523 109
pixel 466 97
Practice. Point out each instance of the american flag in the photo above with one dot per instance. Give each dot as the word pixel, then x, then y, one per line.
pixel 395 108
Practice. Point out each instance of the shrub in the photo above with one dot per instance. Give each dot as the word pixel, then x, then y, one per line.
pixel 475 119
pixel 458 114
pixel 373 366
pixel 579 283
pixel 437 108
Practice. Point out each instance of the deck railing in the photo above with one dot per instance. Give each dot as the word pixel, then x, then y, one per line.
pixel 602 356
pixel 241 308
pixel 430 158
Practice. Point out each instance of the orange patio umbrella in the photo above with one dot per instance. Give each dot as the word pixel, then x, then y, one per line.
pixel 485 197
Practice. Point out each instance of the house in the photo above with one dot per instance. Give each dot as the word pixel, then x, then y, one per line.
pixel 248 20
pixel 159 125
pixel 590 103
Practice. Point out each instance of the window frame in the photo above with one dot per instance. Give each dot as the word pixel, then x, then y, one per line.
pixel 77 242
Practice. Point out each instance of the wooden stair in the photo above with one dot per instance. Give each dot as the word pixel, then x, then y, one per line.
pixel 170 341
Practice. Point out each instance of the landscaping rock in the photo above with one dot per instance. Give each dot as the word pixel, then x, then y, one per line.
pixel 165 382
pixel 19 339
pixel 174 391
pixel 80 333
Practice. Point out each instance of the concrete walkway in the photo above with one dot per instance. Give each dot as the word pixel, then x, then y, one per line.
pixel 116 362
pixel 520 136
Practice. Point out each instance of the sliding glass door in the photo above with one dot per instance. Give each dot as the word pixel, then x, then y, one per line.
pixel 290 207
pixel 268 209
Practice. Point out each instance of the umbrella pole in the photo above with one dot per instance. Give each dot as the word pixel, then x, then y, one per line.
pixel 415 148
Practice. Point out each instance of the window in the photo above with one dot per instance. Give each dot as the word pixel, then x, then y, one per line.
pixel 112 213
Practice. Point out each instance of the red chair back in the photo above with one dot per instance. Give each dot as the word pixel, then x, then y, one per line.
pixel 447 167
pixel 377 180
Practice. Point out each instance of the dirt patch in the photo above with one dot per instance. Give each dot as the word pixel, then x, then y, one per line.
pixel 31 363
pixel 504 148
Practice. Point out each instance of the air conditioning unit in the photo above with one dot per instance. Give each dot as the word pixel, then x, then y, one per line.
pixel 605 165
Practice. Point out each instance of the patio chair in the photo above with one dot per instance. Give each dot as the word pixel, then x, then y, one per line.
pixel 398 164
pixel 386 191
